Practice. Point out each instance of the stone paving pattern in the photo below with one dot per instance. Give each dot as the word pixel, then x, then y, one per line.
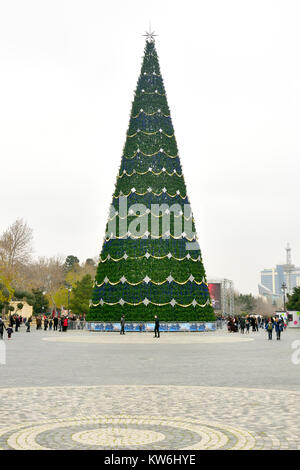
pixel 72 394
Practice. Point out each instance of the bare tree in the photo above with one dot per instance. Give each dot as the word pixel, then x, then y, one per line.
pixel 15 246
pixel 48 275
pixel 265 306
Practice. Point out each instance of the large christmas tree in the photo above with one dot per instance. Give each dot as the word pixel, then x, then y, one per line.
pixel 150 261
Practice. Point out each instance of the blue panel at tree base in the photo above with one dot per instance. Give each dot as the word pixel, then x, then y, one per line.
pixel 140 327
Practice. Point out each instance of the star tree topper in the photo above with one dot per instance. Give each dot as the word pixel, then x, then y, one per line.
pixel 150 35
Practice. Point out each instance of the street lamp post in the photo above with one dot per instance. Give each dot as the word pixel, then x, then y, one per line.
pixel 284 288
pixel 69 291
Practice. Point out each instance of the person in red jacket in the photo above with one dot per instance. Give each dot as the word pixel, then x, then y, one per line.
pixel 65 324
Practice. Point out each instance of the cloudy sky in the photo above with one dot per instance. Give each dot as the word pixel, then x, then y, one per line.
pixel 232 76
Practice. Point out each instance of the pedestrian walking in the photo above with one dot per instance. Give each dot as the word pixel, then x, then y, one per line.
pixel 122 330
pixel 9 332
pixel 278 328
pixel 156 327
pixel 269 328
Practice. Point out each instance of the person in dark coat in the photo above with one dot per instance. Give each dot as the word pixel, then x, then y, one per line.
pixel 46 324
pixel 9 332
pixel 38 323
pixel 17 323
pixel 122 331
pixel 55 323
pixel 278 328
pixel 242 325
pixel 269 328
pixel 2 328
pixel 27 324
pixel 156 327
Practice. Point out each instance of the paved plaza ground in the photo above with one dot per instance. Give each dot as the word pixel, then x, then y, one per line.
pixel 215 390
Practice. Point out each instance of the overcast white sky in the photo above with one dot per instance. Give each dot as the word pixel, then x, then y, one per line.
pixel 232 76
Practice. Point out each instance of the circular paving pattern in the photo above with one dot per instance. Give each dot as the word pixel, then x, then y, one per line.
pixel 157 418
pixel 123 432
pixel 120 437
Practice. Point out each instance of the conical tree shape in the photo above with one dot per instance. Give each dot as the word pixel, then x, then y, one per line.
pixel 150 262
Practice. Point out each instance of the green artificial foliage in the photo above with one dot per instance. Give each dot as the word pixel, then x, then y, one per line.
pixel 147 265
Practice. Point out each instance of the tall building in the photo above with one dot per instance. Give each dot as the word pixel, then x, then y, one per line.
pixel 273 278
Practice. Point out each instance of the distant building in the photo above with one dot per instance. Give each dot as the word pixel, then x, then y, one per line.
pixel 26 311
pixel 272 279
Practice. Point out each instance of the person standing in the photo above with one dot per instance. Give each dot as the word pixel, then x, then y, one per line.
pixel 242 325
pixel 17 323
pixel 27 324
pixel 252 321
pixel 65 324
pixel 2 328
pixel 247 325
pixel 39 323
pixel 122 331
pixel 55 323
pixel 156 327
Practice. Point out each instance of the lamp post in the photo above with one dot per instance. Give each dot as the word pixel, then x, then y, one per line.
pixel 69 291
pixel 284 288
pixel 42 301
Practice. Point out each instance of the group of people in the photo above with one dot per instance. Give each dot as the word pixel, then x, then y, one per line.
pixel 253 322
pixel 234 324
pixel 55 323
pixel 8 329
pixel 276 324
